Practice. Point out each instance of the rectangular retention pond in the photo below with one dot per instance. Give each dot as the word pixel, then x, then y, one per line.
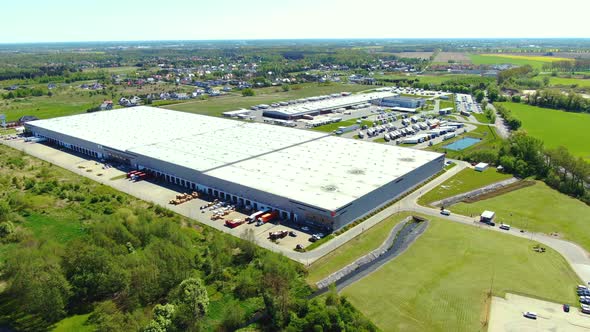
pixel 462 144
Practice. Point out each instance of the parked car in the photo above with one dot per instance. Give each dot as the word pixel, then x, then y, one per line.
pixel 313 238
pixel 566 308
pixel 530 314
pixel 305 229
pixel 292 234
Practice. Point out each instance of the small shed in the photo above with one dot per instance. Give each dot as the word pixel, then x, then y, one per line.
pixel 481 167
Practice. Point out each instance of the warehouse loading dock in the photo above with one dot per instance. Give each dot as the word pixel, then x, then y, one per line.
pixel 309 177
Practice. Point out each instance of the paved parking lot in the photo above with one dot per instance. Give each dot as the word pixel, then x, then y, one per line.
pixel 161 193
pixel 507 316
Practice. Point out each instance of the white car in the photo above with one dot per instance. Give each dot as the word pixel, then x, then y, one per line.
pixel 305 228
pixel 445 212
pixel 505 227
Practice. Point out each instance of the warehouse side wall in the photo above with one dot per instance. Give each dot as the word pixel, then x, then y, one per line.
pixel 239 194
pixel 387 193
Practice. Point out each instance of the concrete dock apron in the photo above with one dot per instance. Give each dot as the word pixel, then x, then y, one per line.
pixel 575 255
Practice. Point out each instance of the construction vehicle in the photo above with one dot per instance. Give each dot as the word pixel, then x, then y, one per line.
pixel 277 235
pixel 234 223
pixel 263 219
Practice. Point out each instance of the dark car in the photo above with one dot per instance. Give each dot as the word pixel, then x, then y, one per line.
pixel 566 308
pixel 292 234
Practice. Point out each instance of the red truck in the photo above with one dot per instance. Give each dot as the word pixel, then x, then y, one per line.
pixel 263 219
pixel 234 223
pixel 130 174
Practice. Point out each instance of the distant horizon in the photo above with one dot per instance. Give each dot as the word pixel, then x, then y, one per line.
pixel 63 21
pixel 291 39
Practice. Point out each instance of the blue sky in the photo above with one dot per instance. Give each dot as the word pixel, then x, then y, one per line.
pixel 105 20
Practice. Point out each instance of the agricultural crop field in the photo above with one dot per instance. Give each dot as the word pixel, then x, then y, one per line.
pixel 540 209
pixel 414 55
pixel 442 282
pixel 520 60
pixel 464 181
pixel 430 79
pixel 217 105
pixel 445 57
pixel 555 127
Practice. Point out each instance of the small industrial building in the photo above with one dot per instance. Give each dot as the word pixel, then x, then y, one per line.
pixel 309 177
pixel 481 167
pixel 400 101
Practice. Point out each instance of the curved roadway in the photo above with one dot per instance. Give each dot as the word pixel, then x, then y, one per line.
pixel 575 255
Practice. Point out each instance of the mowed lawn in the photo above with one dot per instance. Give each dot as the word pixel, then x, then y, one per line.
pixel 217 105
pixel 555 127
pixel 352 250
pixel 442 282
pixel 464 181
pixel 540 209
pixel 519 60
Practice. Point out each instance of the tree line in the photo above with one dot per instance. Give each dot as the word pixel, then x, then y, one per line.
pixel 134 267
pixel 525 156
pixel 511 121
pixel 571 102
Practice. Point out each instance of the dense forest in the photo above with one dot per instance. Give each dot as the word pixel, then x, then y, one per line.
pixel 72 246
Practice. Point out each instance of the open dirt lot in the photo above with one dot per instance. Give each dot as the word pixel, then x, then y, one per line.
pixel 455 56
pixel 161 193
pixel 507 316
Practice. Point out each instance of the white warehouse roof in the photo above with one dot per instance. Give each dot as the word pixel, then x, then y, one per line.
pixel 310 167
pixel 332 103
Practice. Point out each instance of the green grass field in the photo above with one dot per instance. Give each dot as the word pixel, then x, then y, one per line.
pixel 60 229
pixel 540 209
pixel 464 181
pixel 555 127
pixel 481 117
pixel 519 60
pixel 489 141
pixel 369 240
pixel 334 126
pixel 442 282
pixel 216 106
pixel 564 81
pixel 430 79
pixel 77 323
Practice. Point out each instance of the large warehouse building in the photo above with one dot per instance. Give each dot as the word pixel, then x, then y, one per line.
pixel 307 176
pixel 324 104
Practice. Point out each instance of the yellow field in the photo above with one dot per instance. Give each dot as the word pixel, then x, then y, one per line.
pixel 529 57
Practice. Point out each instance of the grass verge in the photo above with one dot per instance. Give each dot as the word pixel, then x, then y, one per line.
pixel 444 280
